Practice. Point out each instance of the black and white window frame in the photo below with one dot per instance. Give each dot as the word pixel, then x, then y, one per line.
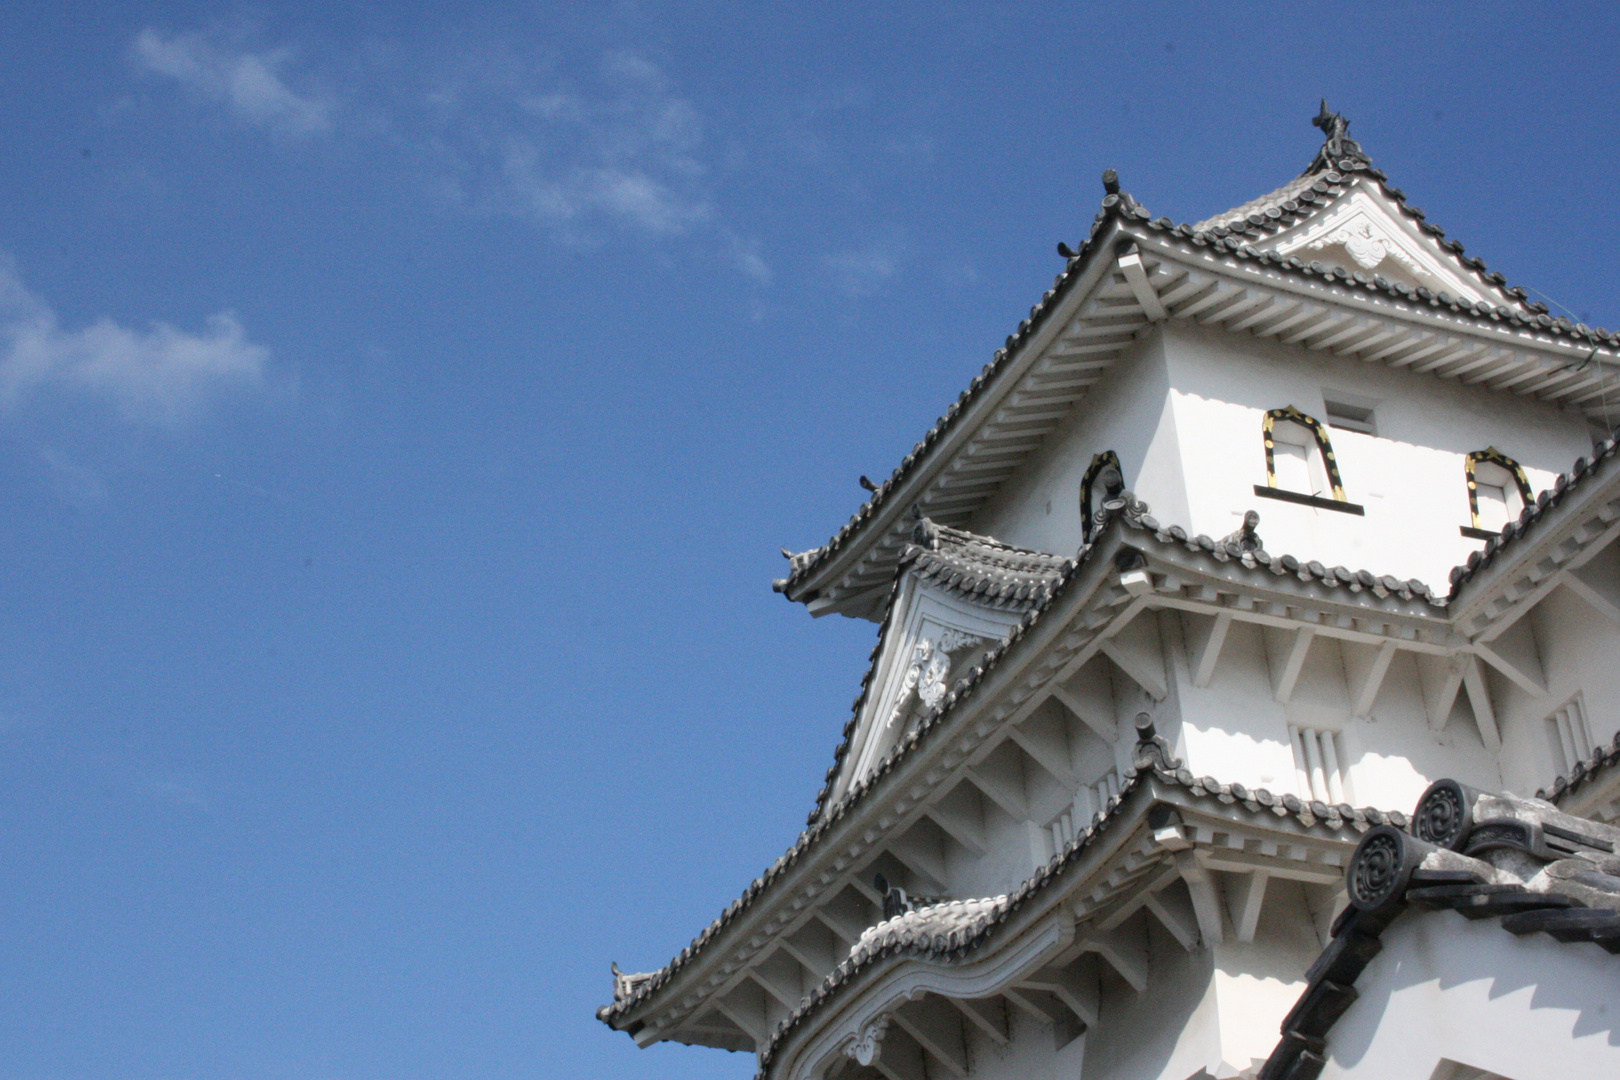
pixel 1276 424
pixel 1514 485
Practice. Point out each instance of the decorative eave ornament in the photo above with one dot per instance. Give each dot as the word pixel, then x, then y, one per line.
pixel 1338 146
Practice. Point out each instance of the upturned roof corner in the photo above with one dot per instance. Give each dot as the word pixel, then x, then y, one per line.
pixel 1398 269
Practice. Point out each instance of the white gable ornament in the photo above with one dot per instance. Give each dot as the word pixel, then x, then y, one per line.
pixel 867 1044
pixel 1372 237
pixel 930 668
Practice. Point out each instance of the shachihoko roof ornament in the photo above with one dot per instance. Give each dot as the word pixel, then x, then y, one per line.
pixel 1338 147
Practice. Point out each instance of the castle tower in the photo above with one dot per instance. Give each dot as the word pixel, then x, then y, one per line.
pixel 1255 528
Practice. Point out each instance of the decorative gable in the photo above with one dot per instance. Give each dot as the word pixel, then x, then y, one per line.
pixel 1365 232
pixel 958 595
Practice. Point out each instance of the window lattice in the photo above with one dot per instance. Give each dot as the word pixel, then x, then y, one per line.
pixel 1318 768
pixel 1569 735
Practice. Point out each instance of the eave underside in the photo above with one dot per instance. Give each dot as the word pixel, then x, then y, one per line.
pixel 1205 288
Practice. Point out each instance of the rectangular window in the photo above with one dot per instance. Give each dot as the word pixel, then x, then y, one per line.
pixel 1492 501
pixel 1350 417
pixel 1569 736
pixel 1318 754
pixel 1293 467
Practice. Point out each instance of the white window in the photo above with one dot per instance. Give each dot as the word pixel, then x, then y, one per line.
pixel 1496 496
pixel 1318 754
pixel 1296 460
pixel 1569 736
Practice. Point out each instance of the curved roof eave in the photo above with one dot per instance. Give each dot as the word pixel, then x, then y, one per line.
pixel 1240 240
pixel 1131 521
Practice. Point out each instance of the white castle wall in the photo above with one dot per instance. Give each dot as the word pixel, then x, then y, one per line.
pixel 1128 413
pixel 1409 477
pixel 1234 728
pixel 1183 411
pixel 1447 989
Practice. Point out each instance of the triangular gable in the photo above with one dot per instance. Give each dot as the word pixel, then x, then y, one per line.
pixel 957 595
pixel 1338 235
pixel 1366 230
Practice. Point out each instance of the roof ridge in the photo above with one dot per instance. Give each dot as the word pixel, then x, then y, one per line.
pixel 952 943
pixel 1132 514
pixel 1237 238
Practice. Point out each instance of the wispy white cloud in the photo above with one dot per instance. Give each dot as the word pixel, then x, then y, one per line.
pixel 160 375
pixel 863 271
pixel 626 156
pixel 250 83
pixel 613 149
pixel 746 257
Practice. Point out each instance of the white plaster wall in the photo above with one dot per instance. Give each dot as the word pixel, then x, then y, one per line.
pixel 1409 478
pixel 1578 649
pixel 1257 982
pixel 1032 1053
pixel 1234 729
pixel 1127 413
pixel 1170 1032
pixel 1009 859
pixel 1214 1008
pixel 1443 987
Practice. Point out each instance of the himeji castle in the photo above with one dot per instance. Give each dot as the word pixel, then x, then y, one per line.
pixel 1246 693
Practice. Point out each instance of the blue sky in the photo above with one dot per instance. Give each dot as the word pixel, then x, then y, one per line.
pixel 401 408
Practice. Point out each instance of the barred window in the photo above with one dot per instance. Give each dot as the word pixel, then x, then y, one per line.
pixel 1318 754
pixel 1569 735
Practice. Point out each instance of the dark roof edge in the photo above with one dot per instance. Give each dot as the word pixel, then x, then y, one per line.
pixel 1514 532
pixel 1231 240
pixel 1564 788
pixel 804 564
pixel 1152 762
pixel 1513 875
pixel 1131 514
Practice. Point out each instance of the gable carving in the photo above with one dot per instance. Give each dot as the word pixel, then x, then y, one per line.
pixel 928 676
pixel 1365 234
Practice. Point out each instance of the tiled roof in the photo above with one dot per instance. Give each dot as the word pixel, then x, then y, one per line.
pixel 800 565
pixel 1282 206
pixel 967 564
pixel 940 926
pixel 1334 577
pixel 982 568
pixel 948 932
pixel 1131 514
pixel 1240 239
pixel 1603 759
pixel 1479 854
pixel 1241 233
pixel 1563 486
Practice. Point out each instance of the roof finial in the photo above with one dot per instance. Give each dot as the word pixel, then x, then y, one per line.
pixel 1111 181
pixel 1338 146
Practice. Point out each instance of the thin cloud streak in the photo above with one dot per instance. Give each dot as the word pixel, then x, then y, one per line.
pixel 575 163
pixel 864 271
pixel 161 375
pixel 249 83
